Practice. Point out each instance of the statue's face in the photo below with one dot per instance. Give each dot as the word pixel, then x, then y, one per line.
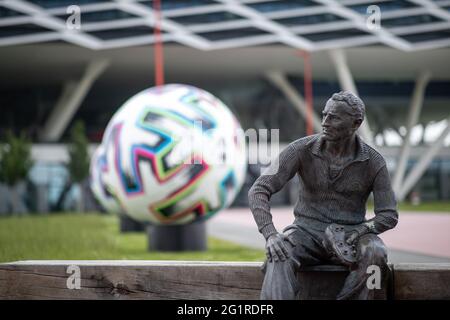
pixel 337 121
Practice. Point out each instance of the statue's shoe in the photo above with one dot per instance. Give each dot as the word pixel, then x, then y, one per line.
pixel 336 244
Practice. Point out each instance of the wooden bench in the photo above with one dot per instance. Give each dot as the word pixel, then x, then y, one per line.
pixel 128 279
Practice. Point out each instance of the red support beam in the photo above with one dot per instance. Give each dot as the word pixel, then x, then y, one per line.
pixel 158 47
pixel 307 76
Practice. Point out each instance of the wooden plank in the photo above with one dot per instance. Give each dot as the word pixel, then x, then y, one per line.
pixel 422 281
pixel 130 279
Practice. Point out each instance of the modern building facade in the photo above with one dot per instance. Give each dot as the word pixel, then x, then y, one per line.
pixel 250 53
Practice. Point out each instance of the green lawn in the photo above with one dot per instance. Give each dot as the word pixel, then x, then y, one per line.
pixel 431 206
pixel 95 237
pixel 442 206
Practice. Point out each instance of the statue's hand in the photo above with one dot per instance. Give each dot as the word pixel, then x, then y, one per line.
pixel 276 248
pixel 356 232
pixel 353 235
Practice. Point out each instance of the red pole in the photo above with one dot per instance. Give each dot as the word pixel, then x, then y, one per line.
pixel 307 76
pixel 159 55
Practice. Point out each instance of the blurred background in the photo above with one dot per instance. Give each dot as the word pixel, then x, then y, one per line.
pixel 270 62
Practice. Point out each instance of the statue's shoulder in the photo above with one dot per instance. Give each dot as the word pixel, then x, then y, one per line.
pixel 305 142
pixel 376 160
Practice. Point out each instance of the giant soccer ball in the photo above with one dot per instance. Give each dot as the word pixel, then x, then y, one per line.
pixel 174 154
pixel 101 189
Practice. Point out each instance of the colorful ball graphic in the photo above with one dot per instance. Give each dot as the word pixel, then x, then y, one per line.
pixel 174 154
pixel 97 180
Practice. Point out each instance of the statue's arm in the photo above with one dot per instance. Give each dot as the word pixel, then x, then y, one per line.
pixel 270 182
pixel 386 215
pixel 385 204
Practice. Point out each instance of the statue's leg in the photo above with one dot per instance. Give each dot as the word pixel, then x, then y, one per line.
pixel 280 280
pixel 370 273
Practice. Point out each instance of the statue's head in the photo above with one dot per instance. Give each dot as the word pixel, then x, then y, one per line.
pixel 342 116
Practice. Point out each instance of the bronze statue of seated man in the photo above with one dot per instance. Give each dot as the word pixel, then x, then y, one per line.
pixel 337 171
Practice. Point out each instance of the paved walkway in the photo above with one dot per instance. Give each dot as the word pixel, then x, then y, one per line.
pixel 418 237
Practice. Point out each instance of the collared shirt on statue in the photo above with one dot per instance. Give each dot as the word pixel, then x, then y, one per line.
pixel 338 198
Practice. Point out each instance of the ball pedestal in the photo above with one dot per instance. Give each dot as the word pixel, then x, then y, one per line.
pixel 128 224
pixel 189 237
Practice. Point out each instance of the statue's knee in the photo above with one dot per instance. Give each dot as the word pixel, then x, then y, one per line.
pixel 379 255
pixel 281 267
pixel 280 281
pixel 374 250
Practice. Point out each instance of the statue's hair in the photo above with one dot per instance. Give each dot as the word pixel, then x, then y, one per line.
pixel 355 104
